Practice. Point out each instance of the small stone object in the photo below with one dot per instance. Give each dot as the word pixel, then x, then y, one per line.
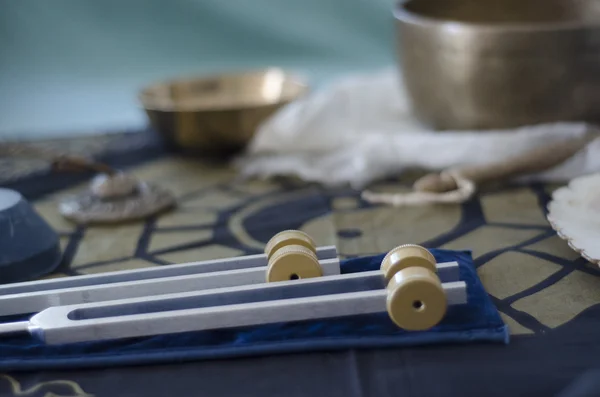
pixel 116 198
pixel 113 186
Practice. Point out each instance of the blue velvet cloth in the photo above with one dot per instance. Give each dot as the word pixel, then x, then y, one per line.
pixel 476 321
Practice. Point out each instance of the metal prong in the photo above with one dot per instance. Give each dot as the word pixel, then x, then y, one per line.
pixel 13 328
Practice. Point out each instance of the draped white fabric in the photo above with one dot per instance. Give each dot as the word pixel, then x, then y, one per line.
pixel 359 129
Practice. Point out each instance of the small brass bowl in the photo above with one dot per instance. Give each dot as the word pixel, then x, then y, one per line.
pixel 217 115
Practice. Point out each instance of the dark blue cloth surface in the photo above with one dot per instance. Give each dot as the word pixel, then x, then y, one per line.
pixel 477 321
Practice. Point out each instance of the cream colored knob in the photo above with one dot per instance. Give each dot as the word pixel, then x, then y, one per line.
pixel 405 256
pixel 293 262
pixel 416 299
pixel 289 237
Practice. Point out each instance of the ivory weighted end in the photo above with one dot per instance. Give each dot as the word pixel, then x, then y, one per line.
pixel 416 299
pixel 289 237
pixel 405 256
pixel 293 262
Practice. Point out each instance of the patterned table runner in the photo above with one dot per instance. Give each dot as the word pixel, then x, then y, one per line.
pixel 536 280
pixel 546 294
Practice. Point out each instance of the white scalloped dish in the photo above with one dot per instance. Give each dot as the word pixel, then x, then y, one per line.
pixel 574 213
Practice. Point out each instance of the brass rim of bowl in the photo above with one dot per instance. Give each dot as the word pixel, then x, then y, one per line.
pixel 402 14
pixel 148 102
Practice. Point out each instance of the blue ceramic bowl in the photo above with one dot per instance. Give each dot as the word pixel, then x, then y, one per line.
pixel 29 247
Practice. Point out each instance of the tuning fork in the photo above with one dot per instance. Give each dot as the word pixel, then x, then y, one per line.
pixel 406 287
pixel 290 254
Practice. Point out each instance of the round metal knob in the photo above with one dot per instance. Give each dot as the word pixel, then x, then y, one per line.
pixel 289 237
pixel 293 262
pixel 406 256
pixel 415 299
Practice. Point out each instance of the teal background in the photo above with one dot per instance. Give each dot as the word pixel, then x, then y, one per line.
pixel 74 66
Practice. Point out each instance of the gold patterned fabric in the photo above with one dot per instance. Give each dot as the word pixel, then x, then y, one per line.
pixel 546 294
pixel 536 280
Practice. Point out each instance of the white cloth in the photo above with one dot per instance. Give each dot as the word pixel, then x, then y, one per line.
pixel 359 129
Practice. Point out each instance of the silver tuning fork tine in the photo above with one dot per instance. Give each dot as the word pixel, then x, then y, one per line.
pixel 406 297
pixel 301 254
pixel 33 297
pixel 234 263
pixel 290 254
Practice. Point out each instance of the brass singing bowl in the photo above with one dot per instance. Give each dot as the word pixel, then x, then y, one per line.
pixel 473 64
pixel 217 115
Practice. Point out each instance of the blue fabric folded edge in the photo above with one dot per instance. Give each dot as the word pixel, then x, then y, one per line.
pixel 477 321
